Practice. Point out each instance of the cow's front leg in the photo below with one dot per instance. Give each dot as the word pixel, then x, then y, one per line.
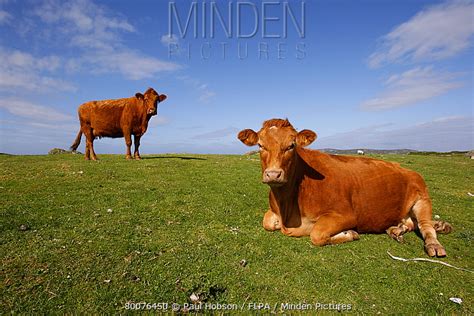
pixel 422 211
pixel 271 221
pixel 333 228
pixel 136 140
pixel 128 143
pixel 296 231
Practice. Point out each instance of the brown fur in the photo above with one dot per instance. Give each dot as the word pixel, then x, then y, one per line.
pixel 117 118
pixel 333 198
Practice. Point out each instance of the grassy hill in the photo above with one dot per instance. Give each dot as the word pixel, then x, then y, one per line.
pixel 80 236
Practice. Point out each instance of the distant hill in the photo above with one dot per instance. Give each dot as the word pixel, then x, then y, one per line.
pixel 367 151
pixel 388 151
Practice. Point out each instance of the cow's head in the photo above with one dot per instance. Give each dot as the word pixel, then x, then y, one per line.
pixel 278 141
pixel 150 99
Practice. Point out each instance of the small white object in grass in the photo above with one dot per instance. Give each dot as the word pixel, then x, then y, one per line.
pixel 107 281
pixel 194 298
pixel 441 294
pixel 470 194
pixel 68 276
pixel 243 263
pixel 109 210
pixel 456 300
pixel 23 227
pixel 436 216
pixel 80 172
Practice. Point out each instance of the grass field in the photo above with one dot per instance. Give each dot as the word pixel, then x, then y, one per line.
pixel 88 237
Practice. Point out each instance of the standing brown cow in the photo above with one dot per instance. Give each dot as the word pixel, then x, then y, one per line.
pixel 117 118
pixel 333 198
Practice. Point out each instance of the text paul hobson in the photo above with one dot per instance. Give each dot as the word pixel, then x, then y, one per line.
pixel 237 29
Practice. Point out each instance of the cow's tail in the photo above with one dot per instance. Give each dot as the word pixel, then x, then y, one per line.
pixel 77 141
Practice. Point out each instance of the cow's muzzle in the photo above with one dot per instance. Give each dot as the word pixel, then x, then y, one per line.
pixel 151 112
pixel 274 177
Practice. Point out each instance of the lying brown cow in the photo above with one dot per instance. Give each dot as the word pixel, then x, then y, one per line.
pixel 117 118
pixel 333 198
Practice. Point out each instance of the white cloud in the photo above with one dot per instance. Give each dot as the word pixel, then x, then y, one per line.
pixel 98 34
pixel 412 86
pixel 22 70
pixel 16 58
pixel 5 17
pixel 28 136
pixel 82 15
pixel 168 39
pixel 30 110
pixel 33 82
pixel 441 134
pixel 435 33
pixel 220 133
pixel 130 63
pixel 206 95
pixel 158 120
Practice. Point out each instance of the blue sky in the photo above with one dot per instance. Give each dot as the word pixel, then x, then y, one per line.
pixel 374 74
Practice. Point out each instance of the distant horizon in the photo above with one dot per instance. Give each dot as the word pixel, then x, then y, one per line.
pixel 377 74
pixel 388 151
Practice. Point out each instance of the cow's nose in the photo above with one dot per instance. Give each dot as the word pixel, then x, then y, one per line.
pixel 273 175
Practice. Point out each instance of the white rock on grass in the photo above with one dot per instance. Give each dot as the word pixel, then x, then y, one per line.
pixel 194 298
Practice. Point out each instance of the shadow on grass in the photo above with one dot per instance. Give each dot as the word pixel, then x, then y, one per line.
pixel 172 157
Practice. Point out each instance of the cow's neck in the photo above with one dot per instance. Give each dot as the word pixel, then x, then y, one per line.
pixel 286 197
pixel 144 118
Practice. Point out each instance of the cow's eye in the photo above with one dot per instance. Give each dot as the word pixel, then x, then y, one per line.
pixel 290 147
pixel 261 147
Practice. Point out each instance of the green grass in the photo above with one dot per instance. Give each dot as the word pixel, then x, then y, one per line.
pixel 181 224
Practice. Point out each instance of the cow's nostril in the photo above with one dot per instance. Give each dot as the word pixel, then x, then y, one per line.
pixel 273 175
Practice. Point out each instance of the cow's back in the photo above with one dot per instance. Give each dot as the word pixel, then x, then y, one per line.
pixel 104 117
pixel 378 193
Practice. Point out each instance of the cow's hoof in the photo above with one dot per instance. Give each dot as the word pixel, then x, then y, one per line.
pixel 128 157
pixel 273 227
pixel 435 250
pixel 398 237
pixel 138 158
pixel 442 227
pixel 354 234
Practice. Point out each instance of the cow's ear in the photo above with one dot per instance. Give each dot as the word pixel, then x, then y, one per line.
pixel 248 137
pixel 305 137
pixel 138 95
pixel 162 97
